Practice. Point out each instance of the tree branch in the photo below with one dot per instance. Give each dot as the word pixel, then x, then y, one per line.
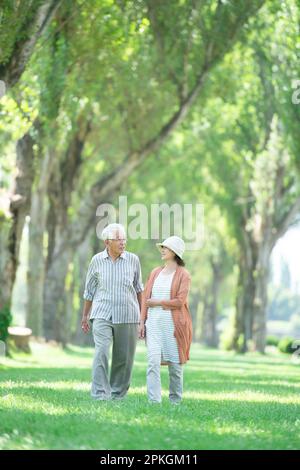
pixel 107 186
pixel 11 71
pixel 287 219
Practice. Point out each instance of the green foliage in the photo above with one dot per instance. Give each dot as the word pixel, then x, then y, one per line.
pixel 15 25
pixel 272 341
pixel 5 321
pixel 285 345
pixel 226 339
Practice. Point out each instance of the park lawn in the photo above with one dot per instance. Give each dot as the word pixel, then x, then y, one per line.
pixel 230 402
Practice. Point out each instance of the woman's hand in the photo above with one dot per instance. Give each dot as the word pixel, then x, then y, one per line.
pixel 141 330
pixel 152 303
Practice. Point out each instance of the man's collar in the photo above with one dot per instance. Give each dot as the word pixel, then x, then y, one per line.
pixel 106 255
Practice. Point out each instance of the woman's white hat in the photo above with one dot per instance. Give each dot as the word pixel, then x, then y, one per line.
pixel 175 244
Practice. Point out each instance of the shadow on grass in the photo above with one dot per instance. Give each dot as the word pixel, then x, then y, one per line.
pixel 84 351
pixel 240 386
pixel 22 381
pixel 237 362
pixel 51 374
pixel 195 380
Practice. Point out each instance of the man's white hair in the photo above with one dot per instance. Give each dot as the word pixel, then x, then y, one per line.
pixel 110 231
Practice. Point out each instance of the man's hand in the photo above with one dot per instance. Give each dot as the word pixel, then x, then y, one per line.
pixel 152 303
pixel 141 330
pixel 85 326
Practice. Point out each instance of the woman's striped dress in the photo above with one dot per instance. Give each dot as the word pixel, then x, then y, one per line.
pixel 159 324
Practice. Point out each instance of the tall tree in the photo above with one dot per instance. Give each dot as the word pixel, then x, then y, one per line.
pixel 251 166
pixel 12 220
pixel 201 48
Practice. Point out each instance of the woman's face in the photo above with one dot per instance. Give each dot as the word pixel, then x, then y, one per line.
pixel 166 254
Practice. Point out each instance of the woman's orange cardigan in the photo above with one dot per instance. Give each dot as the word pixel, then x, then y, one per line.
pixel 178 304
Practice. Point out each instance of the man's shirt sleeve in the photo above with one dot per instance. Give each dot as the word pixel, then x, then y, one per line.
pixel 91 281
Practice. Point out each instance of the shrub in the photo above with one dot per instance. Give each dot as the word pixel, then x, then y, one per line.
pixel 5 321
pixel 285 345
pixel 272 341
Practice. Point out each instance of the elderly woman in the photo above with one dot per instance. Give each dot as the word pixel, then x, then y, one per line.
pixel 166 321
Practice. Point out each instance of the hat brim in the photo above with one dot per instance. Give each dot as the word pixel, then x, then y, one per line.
pixel 159 245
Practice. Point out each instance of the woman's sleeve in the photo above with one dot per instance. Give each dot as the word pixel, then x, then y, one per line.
pixel 145 294
pixel 91 282
pixel 181 297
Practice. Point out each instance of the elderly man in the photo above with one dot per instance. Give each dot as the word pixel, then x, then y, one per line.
pixel 112 294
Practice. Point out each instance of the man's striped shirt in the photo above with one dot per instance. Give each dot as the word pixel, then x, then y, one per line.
pixel 113 287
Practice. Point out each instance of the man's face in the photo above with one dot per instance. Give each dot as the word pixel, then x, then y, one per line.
pixel 116 245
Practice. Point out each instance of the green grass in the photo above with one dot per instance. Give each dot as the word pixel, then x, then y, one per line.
pixel 230 402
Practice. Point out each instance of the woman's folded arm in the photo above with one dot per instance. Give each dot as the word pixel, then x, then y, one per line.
pixel 181 297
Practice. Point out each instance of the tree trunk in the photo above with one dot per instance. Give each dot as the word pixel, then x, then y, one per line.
pixel 84 255
pixel 250 321
pixel 12 221
pixel 242 328
pixel 36 258
pixel 247 296
pixel 243 320
pixel 261 298
pixel 59 250
pixel 54 315
pixel 209 335
pixel 69 305
pixel 194 309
